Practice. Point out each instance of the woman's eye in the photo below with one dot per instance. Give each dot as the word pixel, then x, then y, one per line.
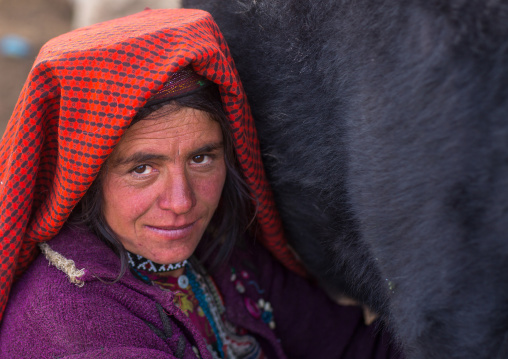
pixel 142 170
pixel 200 159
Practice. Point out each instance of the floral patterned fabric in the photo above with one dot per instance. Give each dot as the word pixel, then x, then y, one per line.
pixel 184 299
pixel 238 343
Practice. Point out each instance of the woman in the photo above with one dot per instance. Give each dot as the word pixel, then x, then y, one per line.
pixel 132 151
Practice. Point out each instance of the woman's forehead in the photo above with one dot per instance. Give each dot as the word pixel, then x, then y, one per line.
pixel 177 129
pixel 173 122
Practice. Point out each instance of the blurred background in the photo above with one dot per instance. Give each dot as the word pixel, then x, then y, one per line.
pixel 25 25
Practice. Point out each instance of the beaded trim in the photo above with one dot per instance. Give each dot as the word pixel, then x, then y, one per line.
pixel 181 83
pixel 204 298
pixel 261 309
pixel 228 344
pixel 234 346
pixel 139 262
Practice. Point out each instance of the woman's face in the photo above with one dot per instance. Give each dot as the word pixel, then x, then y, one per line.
pixel 163 183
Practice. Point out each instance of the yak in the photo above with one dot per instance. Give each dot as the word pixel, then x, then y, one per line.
pixel 384 131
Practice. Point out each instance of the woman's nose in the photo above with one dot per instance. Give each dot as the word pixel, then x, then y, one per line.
pixel 177 195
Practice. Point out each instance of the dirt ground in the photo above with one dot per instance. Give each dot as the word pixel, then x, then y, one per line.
pixel 37 21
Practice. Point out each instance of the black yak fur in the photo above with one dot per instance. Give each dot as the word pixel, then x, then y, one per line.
pixel 384 130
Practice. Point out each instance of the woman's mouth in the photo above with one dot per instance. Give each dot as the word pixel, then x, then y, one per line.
pixel 172 232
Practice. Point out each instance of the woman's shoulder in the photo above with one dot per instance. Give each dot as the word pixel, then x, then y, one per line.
pixel 49 312
pixel 84 249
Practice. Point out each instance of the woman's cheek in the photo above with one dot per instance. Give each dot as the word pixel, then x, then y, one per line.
pixel 211 187
pixel 140 198
pixel 131 200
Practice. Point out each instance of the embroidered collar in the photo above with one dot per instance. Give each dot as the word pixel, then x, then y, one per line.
pixel 139 262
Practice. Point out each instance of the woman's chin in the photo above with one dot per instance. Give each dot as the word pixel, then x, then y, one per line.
pixel 170 253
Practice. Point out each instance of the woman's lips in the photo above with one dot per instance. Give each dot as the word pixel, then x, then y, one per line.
pixel 172 232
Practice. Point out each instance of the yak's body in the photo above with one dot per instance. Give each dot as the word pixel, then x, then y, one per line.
pixel 384 126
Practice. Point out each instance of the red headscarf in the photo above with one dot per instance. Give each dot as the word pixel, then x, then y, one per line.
pixel 80 96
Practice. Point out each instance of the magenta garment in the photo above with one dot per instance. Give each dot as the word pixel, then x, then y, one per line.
pixel 48 317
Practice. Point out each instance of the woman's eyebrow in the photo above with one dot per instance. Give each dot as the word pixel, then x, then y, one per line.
pixel 140 157
pixel 208 148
